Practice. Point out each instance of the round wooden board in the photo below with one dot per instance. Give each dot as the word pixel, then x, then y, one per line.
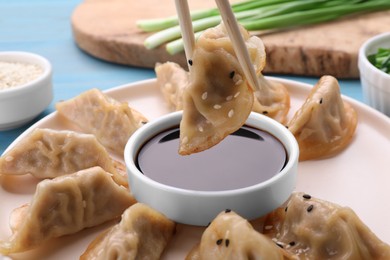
pixel 107 30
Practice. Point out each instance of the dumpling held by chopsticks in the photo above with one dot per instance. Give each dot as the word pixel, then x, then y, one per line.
pixel 218 99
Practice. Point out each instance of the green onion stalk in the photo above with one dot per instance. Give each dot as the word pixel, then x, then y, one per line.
pixel 257 15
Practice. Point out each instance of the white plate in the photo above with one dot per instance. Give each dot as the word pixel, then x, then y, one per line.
pixel 359 177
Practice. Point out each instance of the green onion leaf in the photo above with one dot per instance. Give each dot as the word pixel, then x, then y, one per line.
pixel 381 59
pixel 257 15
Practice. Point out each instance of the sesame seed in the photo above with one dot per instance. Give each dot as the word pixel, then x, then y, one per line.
pixel 200 128
pixel 17 73
pixel 321 101
pixel 279 244
pixel 268 227
pixel 219 241
pixel 237 79
pixel 306 196
pixel 231 75
pixel 310 208
pixel 204 95
pixel 190 62
pixel 228 98
pixel 227 242
pixel 231 113
pixel 9 158
pixel 237 94
pixel 216 106
pixel 265 112
pixel 238 82
pixel 227 210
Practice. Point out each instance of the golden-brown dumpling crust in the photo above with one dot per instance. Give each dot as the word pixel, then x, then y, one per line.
pixel 218 99
pixel 111 121
pixel 143 233
pixel 273 100
pixel 66 205
pixel 325 124
pixel 311 228
pixel 48 153
pixel 230 236
pixel 172 80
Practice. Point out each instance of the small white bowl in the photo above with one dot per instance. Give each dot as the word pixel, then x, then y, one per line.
pixel 375 83
pixel 200 207
pixel 21 104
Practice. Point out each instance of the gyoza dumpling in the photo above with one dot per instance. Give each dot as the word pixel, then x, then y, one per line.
pixel 143 233
pixel 66 205
pixel 325 124
pixel 230 236
pixel 218 99
pixel 47 153
pixel 272 100
pixel 111 121
pixel 315 229
pixel 172 80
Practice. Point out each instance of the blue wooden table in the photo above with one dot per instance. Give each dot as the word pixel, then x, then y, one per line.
pixel 43 27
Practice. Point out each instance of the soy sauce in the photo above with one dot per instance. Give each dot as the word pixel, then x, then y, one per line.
pixel 245 158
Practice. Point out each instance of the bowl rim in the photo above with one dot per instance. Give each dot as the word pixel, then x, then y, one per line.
pixel 19 56
pixel 133 142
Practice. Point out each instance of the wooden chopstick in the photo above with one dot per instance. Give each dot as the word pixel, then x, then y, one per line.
pixel 233 30
pixel 187 32
pixel 239 46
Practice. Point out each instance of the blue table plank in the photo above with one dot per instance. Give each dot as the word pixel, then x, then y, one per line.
pixel 43 27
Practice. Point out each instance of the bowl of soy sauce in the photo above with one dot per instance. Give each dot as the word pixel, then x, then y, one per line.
pixel 252 171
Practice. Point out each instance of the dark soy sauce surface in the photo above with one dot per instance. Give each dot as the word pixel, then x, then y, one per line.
pixel 244 158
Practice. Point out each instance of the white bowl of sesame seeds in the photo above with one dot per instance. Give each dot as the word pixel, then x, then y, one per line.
pixel 25 87
pixel 193 190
